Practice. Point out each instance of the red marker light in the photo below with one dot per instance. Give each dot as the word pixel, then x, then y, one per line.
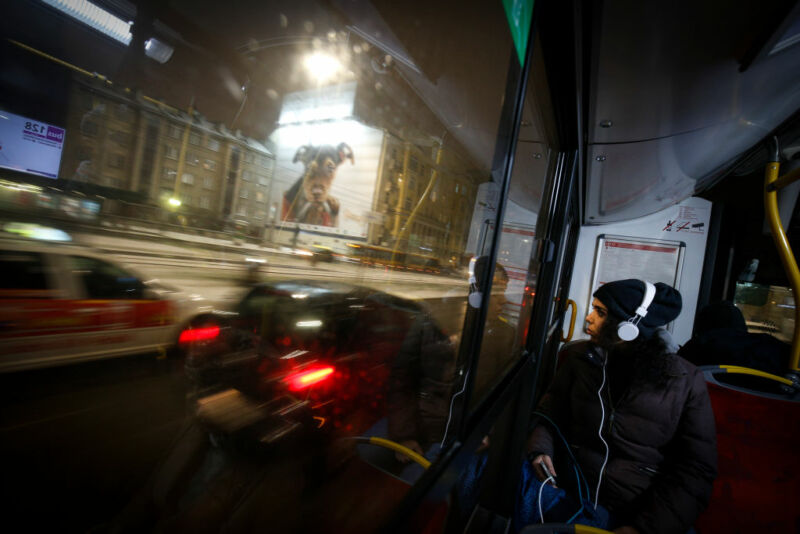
pixel 198 334
pixel 308 378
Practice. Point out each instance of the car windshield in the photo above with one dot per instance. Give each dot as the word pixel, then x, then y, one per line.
pixel 312 177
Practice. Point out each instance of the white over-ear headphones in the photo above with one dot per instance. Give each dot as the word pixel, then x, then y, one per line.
pixel 629 330
pixel 475 295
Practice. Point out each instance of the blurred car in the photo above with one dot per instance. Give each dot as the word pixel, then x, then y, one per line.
pixel 316 253
pixel 322 253
pixel 61 303
pixel 295 357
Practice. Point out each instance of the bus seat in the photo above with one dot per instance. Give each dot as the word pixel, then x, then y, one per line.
pixel 758 486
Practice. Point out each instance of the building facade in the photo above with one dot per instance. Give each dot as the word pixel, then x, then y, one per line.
pixel 183 164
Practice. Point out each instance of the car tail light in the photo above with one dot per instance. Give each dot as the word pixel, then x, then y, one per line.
pixel 198 334
pixel 308 377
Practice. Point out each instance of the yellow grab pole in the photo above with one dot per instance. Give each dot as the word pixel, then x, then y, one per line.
pixel 785 252
pixel 737 369
pixel 570 303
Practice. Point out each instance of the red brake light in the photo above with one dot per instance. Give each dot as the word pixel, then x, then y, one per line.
pixel 309 377
pixel 198 334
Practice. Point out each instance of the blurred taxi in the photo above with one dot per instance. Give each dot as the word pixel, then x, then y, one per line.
pixel 295 357
pixel 60 304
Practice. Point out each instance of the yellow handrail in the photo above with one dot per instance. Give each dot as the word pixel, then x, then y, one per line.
pixel 571 302
pixel 785 252
pixel 736 369
pixel 787 179
pixel 585 529
pixel 381 442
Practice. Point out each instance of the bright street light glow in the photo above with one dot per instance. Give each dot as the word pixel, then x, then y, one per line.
pixel 322 66
pixel 174 202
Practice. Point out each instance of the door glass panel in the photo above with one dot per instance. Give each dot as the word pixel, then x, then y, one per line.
pixel 325 158
pixel 102 280
pixel 515 273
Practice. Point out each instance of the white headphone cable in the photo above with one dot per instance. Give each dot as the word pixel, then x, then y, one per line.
pixel 450 414
pixel 541 490
pixel 600 434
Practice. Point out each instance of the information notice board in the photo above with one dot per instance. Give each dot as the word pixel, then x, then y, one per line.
pixel 653 260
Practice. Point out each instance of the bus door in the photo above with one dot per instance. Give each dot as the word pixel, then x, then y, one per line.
pixel 557 255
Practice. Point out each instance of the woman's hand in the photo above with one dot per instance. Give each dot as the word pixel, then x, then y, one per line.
pixel 539 464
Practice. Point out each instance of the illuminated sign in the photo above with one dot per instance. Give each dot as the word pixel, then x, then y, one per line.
pixel 325 103
pixel 326 164
pixel 30 146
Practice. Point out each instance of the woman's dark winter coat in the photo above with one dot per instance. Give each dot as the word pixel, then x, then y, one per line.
pixel 662 440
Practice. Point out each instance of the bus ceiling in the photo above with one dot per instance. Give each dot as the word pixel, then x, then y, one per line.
pixel 680 93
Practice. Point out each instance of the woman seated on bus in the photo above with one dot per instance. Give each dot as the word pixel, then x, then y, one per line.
pixel 624 437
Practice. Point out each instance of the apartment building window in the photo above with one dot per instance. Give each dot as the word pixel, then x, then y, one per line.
pixel 208 182
pixel 242 210
pixel 205 202
pixel 259 196
pixel 210 165
pixel 192 159
pixel 87 102
pixel 89 128
pixel 123 112
pixel 187 178
pixel 247 176
pixel 194 139
pixel 120 138
pixel 243 193
pixel 174 131
pixel 171 152
pixel 263 180
pixel 169 173
pixel 116 161
pixel 212 144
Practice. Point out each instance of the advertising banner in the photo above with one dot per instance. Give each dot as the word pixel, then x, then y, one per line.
pixel 326 166
pixel 31 146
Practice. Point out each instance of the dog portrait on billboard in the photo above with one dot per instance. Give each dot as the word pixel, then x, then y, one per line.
pixel 309 201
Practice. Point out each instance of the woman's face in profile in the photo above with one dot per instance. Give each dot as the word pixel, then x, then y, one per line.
pixel 595 319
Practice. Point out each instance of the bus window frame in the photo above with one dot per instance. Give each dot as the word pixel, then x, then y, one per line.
pixel 517 387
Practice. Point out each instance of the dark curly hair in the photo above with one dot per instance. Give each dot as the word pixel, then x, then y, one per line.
pixel 649 357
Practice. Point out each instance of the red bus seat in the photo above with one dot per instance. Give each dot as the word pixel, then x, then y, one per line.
pixel 758 487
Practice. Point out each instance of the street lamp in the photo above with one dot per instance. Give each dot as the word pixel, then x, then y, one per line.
pixel 322 66
pixel 174 202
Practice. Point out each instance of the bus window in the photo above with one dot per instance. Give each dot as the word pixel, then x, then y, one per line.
pixel 187 139
pixel 514 282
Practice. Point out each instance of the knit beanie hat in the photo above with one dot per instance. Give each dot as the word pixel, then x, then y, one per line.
pixel 623 297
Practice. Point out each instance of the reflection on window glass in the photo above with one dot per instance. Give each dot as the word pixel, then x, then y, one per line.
pixel 514 284
pixel 310 181
pixel 22 270
pixel 102 280
pixel 766 309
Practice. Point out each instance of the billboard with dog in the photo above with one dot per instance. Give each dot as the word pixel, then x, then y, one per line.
pixel 325 171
